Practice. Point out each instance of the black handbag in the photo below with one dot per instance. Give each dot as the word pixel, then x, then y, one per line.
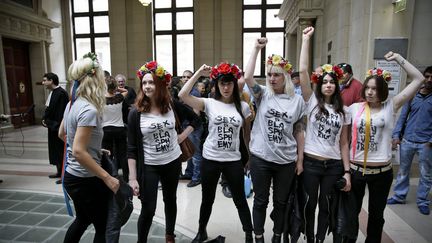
pixel 187 147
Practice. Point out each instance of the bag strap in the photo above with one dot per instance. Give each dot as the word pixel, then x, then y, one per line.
pixel 177 119
pixel 65 153
pixel 365 107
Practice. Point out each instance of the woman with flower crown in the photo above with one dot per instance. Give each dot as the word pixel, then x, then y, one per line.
pixel 326 152
pixel 153 147
pixel 227 115
pixel 370 152
pixel 277 139
pixel 84 179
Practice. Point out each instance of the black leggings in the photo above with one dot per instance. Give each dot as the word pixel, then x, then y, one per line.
pixel 168 174
pixel 90 198
pixel 319 176
pixel 263 173
pixel 115 140
pixel 233 172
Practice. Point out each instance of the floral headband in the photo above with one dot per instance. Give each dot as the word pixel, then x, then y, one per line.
pixel 379 72
pixel 156 69
pixel 277 60
pixel 95 64
pixel 225 68
pixel 327 68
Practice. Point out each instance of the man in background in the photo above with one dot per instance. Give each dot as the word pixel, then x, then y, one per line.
pixel 55 106
pixel 350 87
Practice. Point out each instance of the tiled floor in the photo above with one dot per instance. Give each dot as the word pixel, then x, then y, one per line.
pixel 38 217
pixel 27 192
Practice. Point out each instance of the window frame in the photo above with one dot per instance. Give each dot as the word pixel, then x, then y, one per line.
pixel 262 30
pixel 173 10
pixel 92 35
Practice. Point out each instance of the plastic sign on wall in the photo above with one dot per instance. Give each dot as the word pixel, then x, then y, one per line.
pixel 395 71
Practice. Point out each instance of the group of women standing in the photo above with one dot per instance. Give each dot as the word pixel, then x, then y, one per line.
pixel 279 149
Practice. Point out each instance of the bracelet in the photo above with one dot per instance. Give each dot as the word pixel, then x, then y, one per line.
pixel 347 171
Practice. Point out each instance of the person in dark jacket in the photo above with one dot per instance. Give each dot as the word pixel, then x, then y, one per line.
pixel 56 104
pixel 153 147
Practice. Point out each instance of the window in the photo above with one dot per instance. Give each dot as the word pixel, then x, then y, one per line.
pixel 91 30
pixel 173 30
pixel 260 19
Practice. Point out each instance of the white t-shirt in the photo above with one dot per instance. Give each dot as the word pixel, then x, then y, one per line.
pixel 323 132
pixel 160 142
pixel 223 141
pixel 272 136
pixel 382 124
pixel 112 115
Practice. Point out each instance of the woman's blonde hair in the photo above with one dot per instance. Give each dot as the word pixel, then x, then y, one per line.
pixel 90 76
pixel 289 86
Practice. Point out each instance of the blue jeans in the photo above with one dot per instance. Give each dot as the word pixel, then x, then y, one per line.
pixel 407 151
pixel 193 168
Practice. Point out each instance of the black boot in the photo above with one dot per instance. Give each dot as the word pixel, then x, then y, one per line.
pixel 200 237
pixel 259 240
pixel 276 238
pixel 248 237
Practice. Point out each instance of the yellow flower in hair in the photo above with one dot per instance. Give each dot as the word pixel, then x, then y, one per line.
pixel 327 68
pixel 288 67
pixel 369 73
pixel 143 68
pixel 159 71
pixel 276 59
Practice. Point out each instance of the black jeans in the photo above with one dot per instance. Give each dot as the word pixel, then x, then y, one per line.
pixel 379 187
pixel 168 176
pixel 90 198
pixel 263 172
pixel 115 140
pixel 319 176
pixel 233 172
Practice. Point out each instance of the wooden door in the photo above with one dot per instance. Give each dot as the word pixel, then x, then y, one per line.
pixel 16 56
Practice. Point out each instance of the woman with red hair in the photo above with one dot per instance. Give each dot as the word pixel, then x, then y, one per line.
pixel 153 147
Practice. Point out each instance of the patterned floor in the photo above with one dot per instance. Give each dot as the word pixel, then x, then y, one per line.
pixel 37 217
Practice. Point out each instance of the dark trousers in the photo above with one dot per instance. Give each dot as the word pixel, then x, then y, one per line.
pixel 55 150
pixel 263 173
pixel 115 140
pixel 379 187
pixel 90 199
pixel 319 176
pixel 168 176
pixel 233 171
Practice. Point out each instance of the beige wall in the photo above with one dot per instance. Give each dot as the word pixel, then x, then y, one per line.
pixel 352 26
pixel 217 34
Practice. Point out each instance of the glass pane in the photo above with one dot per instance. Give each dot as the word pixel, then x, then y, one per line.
pixel 164 52
pixel 100 5
pixel 162 3
pixel 276 44
pixel 82 47
pixel 101 24
pixel 163 21
pixel 274 1
pixel 248 45
pixel 80 6
pixel 185 53
pixel 102 49
pixel 184 20
pixel 184 3
pixel 82 25
pixel 272 20
pixel 251 2
pixel 252 19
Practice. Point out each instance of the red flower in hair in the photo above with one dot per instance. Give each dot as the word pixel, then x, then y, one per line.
pixel 315 77
pixel 338 71
pixel 224 68
pixel 379 71
pixel 151 65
